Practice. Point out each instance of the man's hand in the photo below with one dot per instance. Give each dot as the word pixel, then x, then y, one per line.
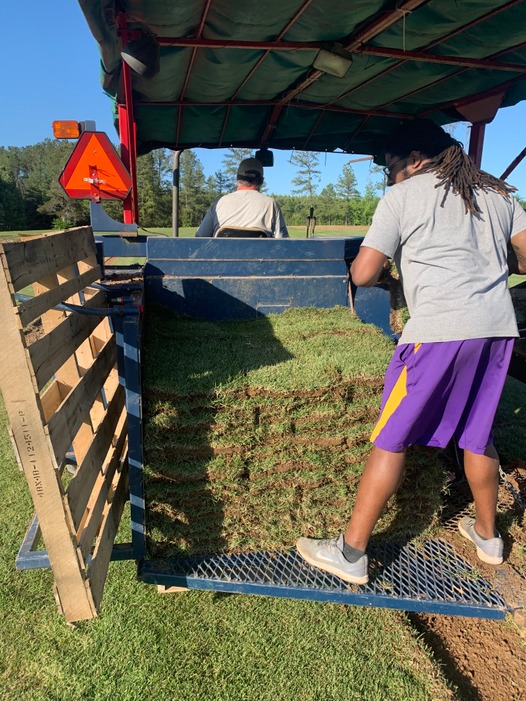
pixel 367 267
pixel 385 273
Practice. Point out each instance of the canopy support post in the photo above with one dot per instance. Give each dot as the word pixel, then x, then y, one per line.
pixel 476 142
pixel 127 133
pixel 175 194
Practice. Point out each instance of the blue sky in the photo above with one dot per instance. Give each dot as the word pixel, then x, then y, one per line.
pixel 57 77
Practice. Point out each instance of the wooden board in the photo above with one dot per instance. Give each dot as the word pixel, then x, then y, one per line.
pixel 162 589
pixel 82 484
pixel 111 517
pixel 90 526
pixel 51 351
pixel 36 258
pixel 71 370
pixel 35 307
pixel 74 410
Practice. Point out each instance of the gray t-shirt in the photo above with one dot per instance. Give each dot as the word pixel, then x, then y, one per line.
pixel 452 264
pixel 246 208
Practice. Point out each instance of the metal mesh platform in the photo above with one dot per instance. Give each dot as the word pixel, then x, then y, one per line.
pixel 431 578
pixel 459 502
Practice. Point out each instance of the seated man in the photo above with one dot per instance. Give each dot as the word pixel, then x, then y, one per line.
pixel 246 207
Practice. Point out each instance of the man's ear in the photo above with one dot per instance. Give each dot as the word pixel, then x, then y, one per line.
pixel 416 158
pixel 415 161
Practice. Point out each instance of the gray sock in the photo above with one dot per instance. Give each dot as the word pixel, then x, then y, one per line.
pixel 351 554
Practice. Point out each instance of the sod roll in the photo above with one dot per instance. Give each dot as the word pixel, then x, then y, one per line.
pixel 257 431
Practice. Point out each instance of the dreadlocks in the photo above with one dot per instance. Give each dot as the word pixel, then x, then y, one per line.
pixel 453 167
pixel 457 172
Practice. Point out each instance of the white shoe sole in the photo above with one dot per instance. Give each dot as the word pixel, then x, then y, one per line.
pixel 488 559
pixel 351 579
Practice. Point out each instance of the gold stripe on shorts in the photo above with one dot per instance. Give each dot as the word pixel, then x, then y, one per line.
pixel 398 392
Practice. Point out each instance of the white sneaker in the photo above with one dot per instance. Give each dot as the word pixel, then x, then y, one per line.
pixel 490 550
pixel 327 555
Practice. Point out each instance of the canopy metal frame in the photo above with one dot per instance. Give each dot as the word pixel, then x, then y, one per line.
pixel 366 41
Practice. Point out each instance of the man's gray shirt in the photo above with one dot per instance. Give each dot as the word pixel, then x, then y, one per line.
pixel 245 208
pixel 452 264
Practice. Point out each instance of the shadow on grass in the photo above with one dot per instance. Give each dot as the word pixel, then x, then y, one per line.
pixel 451 669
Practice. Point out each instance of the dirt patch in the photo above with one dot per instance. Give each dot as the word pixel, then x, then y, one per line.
pixel 485 660
pixel 33 332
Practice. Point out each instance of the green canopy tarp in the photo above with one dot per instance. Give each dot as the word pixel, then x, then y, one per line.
pixel 240 72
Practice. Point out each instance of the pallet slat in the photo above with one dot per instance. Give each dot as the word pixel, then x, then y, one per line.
pixel 101 494
pixel 51 351
pixel 70 372
pixel 52 398
pixel 39 257
pixel 81 486
pixel 35 307
pixel 98 567
pixel 99 408
pixel 66 421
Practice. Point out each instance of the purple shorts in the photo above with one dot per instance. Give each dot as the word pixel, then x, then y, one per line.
pixel 434 391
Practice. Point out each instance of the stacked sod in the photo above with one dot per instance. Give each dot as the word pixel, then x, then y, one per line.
pixel 256 431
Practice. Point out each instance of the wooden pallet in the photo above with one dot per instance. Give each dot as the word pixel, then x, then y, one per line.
pixel 59 380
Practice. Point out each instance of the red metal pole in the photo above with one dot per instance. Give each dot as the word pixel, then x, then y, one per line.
pixel 127 133
pixel 476 141
pixel 513 164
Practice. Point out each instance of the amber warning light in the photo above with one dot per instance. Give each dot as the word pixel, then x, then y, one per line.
pixel 66 129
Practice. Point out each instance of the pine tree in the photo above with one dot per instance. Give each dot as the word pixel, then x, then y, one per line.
pixel 34 171
pixel 378 183
pixel 64 211
pixel 368 203
pixel 194 193
pixel 12 207
pixel 328 205
pixel 154 188
pixel 220 184
pixel 347 191
pixel 308 174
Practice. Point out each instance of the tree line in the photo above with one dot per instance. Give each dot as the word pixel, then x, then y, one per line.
pixel 32 198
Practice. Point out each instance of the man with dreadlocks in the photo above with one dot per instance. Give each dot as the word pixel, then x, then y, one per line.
pixel 448 226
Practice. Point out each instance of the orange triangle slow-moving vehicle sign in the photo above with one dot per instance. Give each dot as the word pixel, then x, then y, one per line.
pixel 94 170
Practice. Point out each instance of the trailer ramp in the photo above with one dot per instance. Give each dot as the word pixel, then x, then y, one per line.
pixel 430 578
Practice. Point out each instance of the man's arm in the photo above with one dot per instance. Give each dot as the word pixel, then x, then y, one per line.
pixel 367 267
pixel 280 228
pixel 517 254
pixel 206 227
